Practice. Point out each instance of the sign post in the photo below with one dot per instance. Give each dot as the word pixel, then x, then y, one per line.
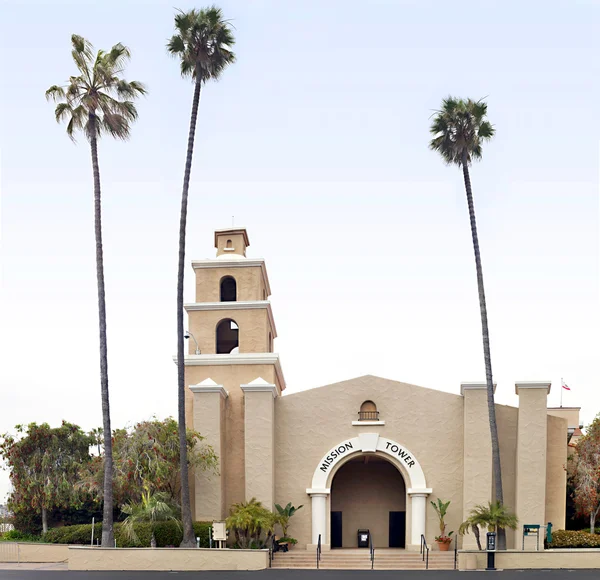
pixel 491 551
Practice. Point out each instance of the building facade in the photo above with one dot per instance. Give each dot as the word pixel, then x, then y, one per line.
pixel 367 453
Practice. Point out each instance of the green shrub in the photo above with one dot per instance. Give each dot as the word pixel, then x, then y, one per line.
pixel 574 539
pixel 166 534
pixel 16 536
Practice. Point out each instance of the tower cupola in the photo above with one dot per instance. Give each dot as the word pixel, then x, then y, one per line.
pixel 231 243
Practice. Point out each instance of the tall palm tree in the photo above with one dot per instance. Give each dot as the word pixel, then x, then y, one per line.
pixel 459 129
pixel 202 43
pixel 97 101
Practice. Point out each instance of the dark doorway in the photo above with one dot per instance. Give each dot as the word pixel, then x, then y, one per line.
pixel 228 289
pixel 336 529
pixel 227 336
pixel 397 529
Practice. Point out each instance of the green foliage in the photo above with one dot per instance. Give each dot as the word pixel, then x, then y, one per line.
pixel 291 541
pixel 16 536
pixel 284 515
pixel 167 534
pixel 491 516
pixel 441 509
pixel 202 43
pixel 152 508
pixel 147 457
pixel 586 474
pixel 45 465
pixel 574 539
pixel 249 520
pixel 97 100
pixel 459 129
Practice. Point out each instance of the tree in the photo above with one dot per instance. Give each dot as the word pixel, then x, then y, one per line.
pixel 248 521
pixel 441 509
pixel 459 130
pixel 44 465
pixel 146 457
pixel 284 514
pixel 587 474
pixel 202 43
pixel 494 516
pixel 97 101
pixel 152 508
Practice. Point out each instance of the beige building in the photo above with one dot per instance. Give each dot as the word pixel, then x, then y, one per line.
pixel 368 453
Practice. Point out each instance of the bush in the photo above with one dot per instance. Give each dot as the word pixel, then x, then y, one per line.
pixel 166 534
pixel 16 536
pixel 574 539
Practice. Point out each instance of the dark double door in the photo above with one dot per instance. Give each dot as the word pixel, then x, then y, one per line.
pixel 397 529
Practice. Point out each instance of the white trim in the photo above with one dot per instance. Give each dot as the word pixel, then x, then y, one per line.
pixel 260 389
pixel 229 249
pixel 533 385
pixel 232 263
pixel 200 388
pixel 250 358
pixel 323 491
pixel 474 387
pixel 424 491
pixel 235 305
pixel 364 423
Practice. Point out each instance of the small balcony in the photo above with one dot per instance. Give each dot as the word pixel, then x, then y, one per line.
pixel 368 415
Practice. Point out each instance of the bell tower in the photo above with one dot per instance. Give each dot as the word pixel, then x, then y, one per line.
pixel 232 375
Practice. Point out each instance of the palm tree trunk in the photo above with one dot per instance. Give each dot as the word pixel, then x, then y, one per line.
pixel 486 350
pixel 186 508
pixel 108 537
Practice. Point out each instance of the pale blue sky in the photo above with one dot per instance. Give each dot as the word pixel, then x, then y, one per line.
pixel 316 140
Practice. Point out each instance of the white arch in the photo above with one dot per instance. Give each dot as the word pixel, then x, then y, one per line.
pixel 396 453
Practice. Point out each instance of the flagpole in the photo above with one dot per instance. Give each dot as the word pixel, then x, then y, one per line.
pixel 561 390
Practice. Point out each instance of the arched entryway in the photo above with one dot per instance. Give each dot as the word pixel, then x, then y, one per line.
pixel 368 492
pixel 373 445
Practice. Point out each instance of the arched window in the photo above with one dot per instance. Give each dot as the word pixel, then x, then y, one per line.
pixel 368 412
pixel 228 245
pixel 228 289
pixel 227 336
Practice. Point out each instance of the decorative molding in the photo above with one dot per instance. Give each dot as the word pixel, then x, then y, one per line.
pixel 533 385
pixel 474 387
pixel 251 358
pixel 365 423
pixel 319 491
pixel 232 263
pixel 209 386
pixel 232 231
pixel 259 385
pixel 235 305
pixel 424 492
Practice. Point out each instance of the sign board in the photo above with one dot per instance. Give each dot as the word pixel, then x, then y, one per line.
pixel 219 532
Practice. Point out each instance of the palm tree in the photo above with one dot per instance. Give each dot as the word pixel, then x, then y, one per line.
pixel 459 129
pixel 152 508
pixel 99 101
pixel 202 43
pixel 494 516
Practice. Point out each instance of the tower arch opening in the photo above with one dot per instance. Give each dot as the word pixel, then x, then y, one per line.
pixel 227 336
pixel 228 289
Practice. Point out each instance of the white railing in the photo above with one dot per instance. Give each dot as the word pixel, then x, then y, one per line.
pixel 9 552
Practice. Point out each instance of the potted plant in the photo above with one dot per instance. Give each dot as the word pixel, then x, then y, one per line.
pixel 283 519
pixel 443 540
pixel 493 516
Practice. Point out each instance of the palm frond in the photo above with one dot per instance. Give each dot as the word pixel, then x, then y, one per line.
pixel 55 93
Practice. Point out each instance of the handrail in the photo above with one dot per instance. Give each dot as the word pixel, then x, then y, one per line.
pixel 272 550
pixel 372 550
pixel 455 553
pixel 318 551
pixel 425 551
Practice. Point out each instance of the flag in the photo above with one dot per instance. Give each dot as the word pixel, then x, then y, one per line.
pixel 565 386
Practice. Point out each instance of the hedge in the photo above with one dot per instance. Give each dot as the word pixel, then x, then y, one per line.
pixel 574 539
pixel 166 534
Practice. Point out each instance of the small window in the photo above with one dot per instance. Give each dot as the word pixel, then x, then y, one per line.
pixel 270 342
pixel 368 412
pixel 228 289
pixel 228 245
pixel 227 337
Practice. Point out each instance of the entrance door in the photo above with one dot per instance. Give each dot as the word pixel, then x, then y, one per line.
pixel 336 529
pixel 397 529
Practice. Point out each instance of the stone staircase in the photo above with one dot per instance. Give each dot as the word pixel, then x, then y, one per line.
pixel 355 559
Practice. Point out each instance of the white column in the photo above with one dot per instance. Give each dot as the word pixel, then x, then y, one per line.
pixel 319 517
pixel 418 509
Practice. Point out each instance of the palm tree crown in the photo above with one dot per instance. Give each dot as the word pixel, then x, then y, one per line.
pixel 203 43
pixel 459 128
pixel 97 100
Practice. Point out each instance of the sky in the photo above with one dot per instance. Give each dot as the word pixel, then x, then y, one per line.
pixel 316 140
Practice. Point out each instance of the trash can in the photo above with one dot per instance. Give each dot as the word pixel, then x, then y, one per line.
pixel 363 538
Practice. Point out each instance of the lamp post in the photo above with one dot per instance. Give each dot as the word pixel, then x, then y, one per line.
pixel 187 336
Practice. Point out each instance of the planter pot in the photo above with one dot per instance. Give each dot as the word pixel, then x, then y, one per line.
pixel 443 546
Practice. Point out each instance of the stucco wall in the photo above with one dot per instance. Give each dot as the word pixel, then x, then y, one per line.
pixel 84 558
pixel 507 419
pixel 365 493
pixel 571 414
pixel 33 552
pixel 429 423
pixel 556 472
pixel 232 463
pixel 516 559
pixel 249 281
